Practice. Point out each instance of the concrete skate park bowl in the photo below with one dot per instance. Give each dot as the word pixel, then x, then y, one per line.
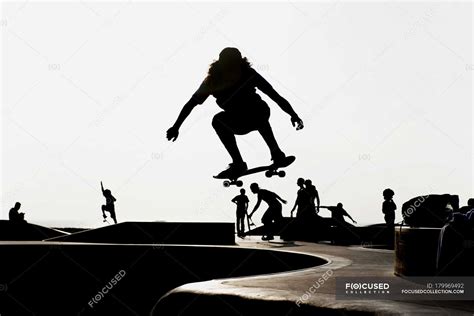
pixel 71 278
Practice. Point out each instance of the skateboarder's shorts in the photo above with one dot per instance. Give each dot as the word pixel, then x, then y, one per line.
pixel 273 213
pixel 110 209
pixel 241 213
pixel 250 118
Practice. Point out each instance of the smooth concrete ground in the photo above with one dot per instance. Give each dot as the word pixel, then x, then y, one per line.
pixel 262 291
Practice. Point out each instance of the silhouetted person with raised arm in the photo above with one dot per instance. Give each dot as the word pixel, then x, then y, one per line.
pixel 233 82
pixel 242 202
pixel 302 202
pixel 15 216
pixel 469 207
pixel 313 195
pixel 388 208
pixel 272 214
pixel 109 204
pixel 338 213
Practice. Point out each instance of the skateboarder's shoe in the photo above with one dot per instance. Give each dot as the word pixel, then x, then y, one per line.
pixel 267 238
pixel 279 159
pixel 234 170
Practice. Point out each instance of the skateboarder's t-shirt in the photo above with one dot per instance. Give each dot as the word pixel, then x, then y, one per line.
pixel 240 200
pixel 269 197
pixel 240 94
pixel 338 212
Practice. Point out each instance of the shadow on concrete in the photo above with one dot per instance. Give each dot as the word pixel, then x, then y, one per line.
pixel 50 278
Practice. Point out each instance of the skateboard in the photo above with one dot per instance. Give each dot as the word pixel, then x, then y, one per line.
pixel 270 171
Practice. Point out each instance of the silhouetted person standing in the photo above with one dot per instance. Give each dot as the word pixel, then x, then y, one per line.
pixel 313 195
pixel 338 213
pixel 272 214
pixel 109 204
pixel 388 208
pixel 15 216
pixel 242 202
pixel 302 202
pixel 233 82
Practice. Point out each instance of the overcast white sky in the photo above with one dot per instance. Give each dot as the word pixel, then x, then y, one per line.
pixel 89 89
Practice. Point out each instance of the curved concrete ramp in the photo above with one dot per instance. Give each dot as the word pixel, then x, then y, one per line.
pixel 27 231
pixel 157 233
pixel 301 292
pixel 53 278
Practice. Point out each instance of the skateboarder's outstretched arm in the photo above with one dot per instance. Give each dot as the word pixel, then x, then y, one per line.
pixel 280 199
pixel 350 217
pixel 264 86
pixel 256 207
pixel 173 132
pixel 102 187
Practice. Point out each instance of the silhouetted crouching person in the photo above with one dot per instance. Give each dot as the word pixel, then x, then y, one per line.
pixel 342 232
pixel 455 251
pixel 338 213
pixel 233 82
pixel 468 207
pixel 109 204
pixel 272 214
pixel 16 217
pixel 242 202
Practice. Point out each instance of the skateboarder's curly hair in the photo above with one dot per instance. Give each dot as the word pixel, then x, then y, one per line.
pixel 228 58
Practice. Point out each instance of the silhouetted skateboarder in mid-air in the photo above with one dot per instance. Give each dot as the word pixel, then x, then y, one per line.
pixel 233 82
pixel 109 204
pixel 242 202
pixel 272 214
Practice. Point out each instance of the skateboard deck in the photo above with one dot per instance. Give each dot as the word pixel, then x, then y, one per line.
pixel 270 171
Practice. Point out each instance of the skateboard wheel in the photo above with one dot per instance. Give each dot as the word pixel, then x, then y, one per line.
pixel 281 173
pixel 226 184
pixel 239 183
pixel 268 174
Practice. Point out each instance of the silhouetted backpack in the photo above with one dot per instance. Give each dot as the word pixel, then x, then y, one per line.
pixel 429 210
